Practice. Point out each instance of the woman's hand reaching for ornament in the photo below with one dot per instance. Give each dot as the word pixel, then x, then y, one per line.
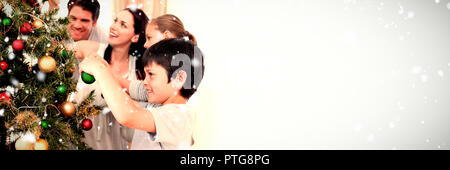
pixel 83 48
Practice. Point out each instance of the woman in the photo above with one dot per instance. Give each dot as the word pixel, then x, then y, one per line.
pixel 123 54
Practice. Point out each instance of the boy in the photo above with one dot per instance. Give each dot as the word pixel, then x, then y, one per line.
pixel 173 71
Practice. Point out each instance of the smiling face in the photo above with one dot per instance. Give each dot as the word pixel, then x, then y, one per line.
pixel 153 35
pixel 81 23
pixel 122 30
pixel 156 83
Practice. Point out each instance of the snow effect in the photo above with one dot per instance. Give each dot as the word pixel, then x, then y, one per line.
pixel 11 56
pixel 106 110
pixel 424 78
pixel 416 70
pixel 370 137
pixel 401 10
pixel 195 62
pixel 41 76
pixel 24 37
pixel 15 82
pixel 440 73
pixel 29 137
pixel 391 125
pixel 411 14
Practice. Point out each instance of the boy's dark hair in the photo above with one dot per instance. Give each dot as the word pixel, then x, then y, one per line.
pixel 89 5
pixel 175 55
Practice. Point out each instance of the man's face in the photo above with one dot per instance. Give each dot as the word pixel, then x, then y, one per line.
pixel 81 23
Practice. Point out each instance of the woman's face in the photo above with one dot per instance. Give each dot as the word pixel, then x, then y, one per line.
pixel 152 35
pixel 121 31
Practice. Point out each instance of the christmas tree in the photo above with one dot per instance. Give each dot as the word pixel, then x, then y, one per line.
pixel 35 81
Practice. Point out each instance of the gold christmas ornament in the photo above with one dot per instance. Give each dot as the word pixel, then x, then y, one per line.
pixel 1 6
pixel 37 24
pixel 68 108
pixel 25 142
pixel 47 64
pixel 41 144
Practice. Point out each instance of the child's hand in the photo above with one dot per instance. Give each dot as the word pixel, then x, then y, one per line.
pixel 92 64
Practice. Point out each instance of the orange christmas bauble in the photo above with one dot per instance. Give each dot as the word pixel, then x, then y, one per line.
pixel 47 64
pixel 24 144
pixel 68 109
pixel 37 24
pixel 41 144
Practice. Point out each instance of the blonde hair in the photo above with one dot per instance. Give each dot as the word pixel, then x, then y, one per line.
pixel 172 23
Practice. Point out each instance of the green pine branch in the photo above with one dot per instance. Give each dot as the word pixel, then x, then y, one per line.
pixel 32 94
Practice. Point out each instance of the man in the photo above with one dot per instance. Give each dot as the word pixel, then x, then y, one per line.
pixel 83 16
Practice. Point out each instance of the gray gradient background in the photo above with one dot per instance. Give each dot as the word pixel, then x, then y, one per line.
pixel 326 74
pixel 320 74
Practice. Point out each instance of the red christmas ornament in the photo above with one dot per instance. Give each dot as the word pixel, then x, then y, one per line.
pixel 33 3
pixel 86 124
pixel 5 96
pixel 26 28
pixel 17 45
pixel 3 65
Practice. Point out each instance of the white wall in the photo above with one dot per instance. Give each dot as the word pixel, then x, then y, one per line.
pixel 335 74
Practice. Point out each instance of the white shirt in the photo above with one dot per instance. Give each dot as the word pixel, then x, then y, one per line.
pixel 98 35
pixel 174 129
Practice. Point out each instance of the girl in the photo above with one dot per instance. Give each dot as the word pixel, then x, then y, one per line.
pixel 163 27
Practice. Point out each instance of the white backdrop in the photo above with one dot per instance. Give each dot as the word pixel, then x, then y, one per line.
pixel 327 74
